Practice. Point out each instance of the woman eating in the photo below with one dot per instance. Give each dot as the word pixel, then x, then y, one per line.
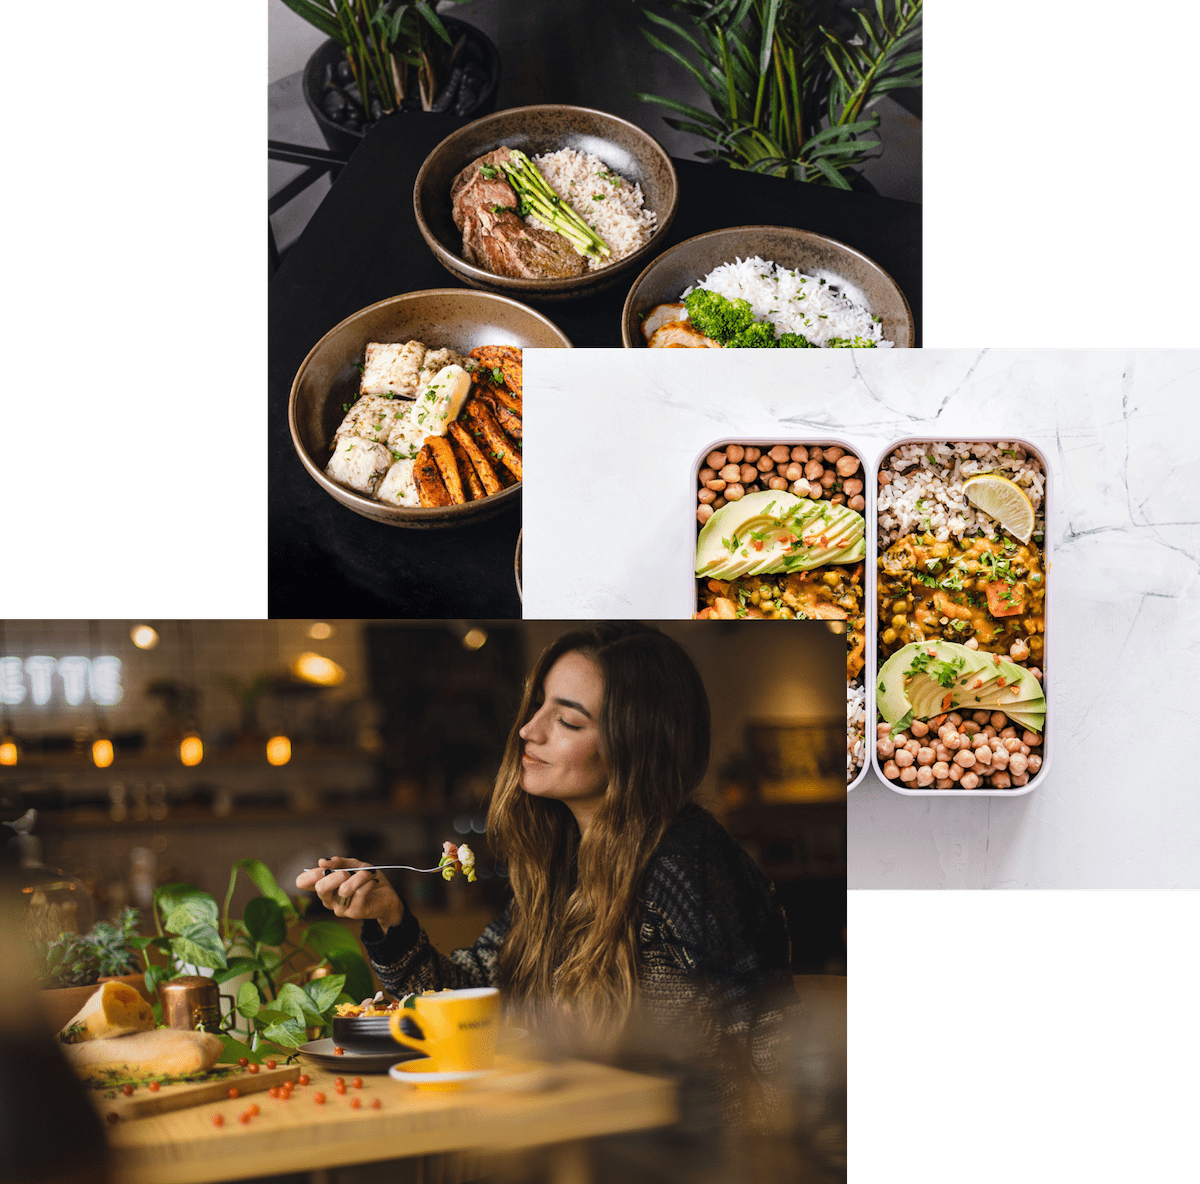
pixel 632 907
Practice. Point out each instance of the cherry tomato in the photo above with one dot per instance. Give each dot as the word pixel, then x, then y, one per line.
pixel 113 1117
pixel 244 1118
pixel 319 1099
pixel 337 1051
pixel 127 1090
pixel 273 1091
pixel 234 1092
pixel 271 1062
pixel 339 1081
pixel 243 1062
pixel 357 1083
pixel 154 1086
pixel 355 1103
pixel 376 1104
pixel 302 1079
pixel 251 1068
pixel 218 1120
pixel 253 1110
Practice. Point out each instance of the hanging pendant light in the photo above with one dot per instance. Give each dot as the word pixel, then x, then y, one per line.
pixel 102 750
pixel 191 749
pixel 279 750
pixel 8 748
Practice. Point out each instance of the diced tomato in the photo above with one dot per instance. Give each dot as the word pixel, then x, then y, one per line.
pixel 1004 600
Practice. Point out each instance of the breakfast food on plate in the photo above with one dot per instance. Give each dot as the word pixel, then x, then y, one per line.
pixel 431 427
pixel 782 537
pixel 961 602
pixel 756 304
pixel 548 217
pixel 163 1052
pixel 114 1009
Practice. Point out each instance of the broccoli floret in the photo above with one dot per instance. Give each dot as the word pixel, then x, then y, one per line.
pixel 717 317
pixel 851 343
pixel 756 336
pixel 794 341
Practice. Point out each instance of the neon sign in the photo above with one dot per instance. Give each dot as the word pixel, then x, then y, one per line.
pixel 38 677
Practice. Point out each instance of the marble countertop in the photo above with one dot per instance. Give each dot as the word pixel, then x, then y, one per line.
pixel 611 439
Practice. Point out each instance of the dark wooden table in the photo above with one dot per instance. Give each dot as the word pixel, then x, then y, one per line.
pixel 362 245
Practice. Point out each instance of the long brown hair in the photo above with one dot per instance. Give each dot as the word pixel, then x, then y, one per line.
pixel 572 945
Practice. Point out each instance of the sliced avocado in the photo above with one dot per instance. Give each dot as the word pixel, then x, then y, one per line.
pixel 1015 687
pixel 1033 720
pixel 914 681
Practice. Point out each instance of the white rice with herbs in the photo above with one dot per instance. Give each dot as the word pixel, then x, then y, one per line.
pixel 819 307
pixel 605 201
pixel 856 729
pixel 921 489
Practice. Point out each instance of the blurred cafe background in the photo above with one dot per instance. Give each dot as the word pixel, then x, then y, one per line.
pixel 140 753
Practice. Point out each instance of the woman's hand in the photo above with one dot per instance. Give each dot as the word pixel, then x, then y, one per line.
pixel 361 896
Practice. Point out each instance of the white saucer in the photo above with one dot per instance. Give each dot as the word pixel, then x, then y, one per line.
pixel 404 1072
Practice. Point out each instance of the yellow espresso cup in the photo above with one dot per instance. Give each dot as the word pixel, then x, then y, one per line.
pixel 459 1028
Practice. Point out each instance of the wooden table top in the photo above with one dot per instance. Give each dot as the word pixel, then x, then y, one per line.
pixel 581 1100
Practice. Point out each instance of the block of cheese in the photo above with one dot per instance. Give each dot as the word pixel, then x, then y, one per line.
pixel 115 1009
pixel 164 1052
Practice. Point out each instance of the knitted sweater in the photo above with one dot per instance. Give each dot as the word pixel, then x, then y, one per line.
pixel 713 951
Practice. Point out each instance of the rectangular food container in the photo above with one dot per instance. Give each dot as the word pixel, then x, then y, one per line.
pixel 1047 659
pixel 870 485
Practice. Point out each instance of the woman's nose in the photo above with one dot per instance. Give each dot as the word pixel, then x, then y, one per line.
pixel 532 728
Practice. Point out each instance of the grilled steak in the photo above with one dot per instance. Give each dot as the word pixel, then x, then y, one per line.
pixel 494 237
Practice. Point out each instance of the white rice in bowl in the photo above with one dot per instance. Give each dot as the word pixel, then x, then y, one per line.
pixel 817 307
pixel 856 728
pixel 924 489
pixel 605 201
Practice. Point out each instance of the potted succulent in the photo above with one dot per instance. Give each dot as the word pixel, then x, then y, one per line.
pixel 383 56
pixel 791 83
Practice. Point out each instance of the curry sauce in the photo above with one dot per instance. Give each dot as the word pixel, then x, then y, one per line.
pixel 993 590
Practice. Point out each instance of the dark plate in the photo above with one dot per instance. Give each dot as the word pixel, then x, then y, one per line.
pixel 363 1030
pixel 440 317
pixel 623 147
pixel 679 268
pixel 365 1057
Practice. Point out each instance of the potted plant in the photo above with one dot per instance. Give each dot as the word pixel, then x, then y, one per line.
pixel 278 1004
pixel 383 56
pixel 791 81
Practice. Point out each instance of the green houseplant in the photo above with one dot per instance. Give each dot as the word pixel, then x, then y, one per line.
pixel 78 960
pixel 791 81
pixel 275 1007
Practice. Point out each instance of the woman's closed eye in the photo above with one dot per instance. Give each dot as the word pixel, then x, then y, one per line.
pixel 573 727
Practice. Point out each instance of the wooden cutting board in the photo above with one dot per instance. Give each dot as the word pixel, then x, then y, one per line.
pixel 221 1079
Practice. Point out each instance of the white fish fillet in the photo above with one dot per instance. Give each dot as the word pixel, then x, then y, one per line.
pixel 358 463
pixel 371 418
pixel 392 369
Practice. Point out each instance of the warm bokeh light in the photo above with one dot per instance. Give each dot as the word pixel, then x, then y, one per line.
pixel 144 637
pixel 191 750
pixel 279 750
pixel 474 638
pixel 315 669
pixel 320 631
pixel 8 753
pixel 102 753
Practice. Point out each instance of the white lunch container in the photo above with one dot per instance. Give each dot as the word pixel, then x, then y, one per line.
pixel 873 647
pixel 869 487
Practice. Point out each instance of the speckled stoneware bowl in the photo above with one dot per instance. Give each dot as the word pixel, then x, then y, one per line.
pixel 440 317
pixel 664 281
pixel 625 148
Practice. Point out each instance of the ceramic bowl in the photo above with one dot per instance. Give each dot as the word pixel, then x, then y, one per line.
pixel 677 269
pixel 636 156
pixel 440 317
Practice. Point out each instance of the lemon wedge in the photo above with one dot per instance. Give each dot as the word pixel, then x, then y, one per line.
pixel 1003 500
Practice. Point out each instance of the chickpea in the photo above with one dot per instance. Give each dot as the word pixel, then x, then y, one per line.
pixel 1019 779
pixel 800 488
pixel 765 464
pixel 1036 672
pixel 891 770
pixel 899 621
pixel 1001 780
pixel 705 496
pixel 968 727
pixel 857 502
pixel 794 471
pixel 716 483
pixel 799 453
pixel 918 728
pixel 814 469
pixel 956 772
pixel 908 774
pixel 780 453
pixel 816 454
pixel 941 768
pixel 883 729
pixel 734 492
pixel 885 746
pixel 833 452
pixel 980 717
pixel 889 636
pixel 903 758
pixel 730 473
pixel 827 479
pixel 715 460
pixel 998 720
pixel 1019 650
pixel 884 478
pixel 1031 738
pixel 952 741
pixel 979 740
pixel 705 475
pixel 955 719
pixel 734 453
pixel 913 746
pixel 1024 749
pixel 815 490
pixel 1008 733
pixel 924 756
pixel 1034 762
pixel 719 503
pixel 969 781
pixel 983 756
pixel 901 738
pixel 924 776
pixel 847 466
pixel 942 752
pixel 972 643
pixel 1011 745
pixel 943 783
pixel 838 499
pixel 752 454
pixel 746 474
pixel 990 733
pixel 777 483
pixel 853 486
pixel 966 758
pixel 703 514
pixel 1018 763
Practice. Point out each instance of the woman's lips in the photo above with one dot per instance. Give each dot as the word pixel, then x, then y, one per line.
pixel 528 758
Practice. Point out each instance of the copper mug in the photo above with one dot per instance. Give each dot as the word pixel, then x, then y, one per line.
pixel 191 1002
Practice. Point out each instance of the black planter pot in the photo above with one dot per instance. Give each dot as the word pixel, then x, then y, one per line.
pixel 324 60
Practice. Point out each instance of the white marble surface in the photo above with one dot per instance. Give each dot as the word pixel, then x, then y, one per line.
pixel 611 437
